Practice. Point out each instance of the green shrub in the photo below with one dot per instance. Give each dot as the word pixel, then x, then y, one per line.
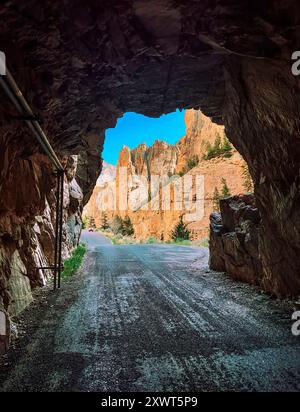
pixel 226 144
pixel 216 200
pixel 84 222
pixel 217 196
pixel 151 240
pixel 180 231
pixel 104 221
pixel 72 264
pixel 204 242
pixel 117 225
pixel 225 189
pixel 183 242
pixel 192 162
pixel 128 229
pixel 248 182
pixel 219 149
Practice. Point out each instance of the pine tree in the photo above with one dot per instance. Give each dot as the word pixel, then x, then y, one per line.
pixel 217 144
pixel 117 225
pixel 180 231
pixel 209 152
pixel 193 162
pixel 248 182
pixel 128 229
pixel 220 148
pixel 226 147
pixel 216 200
pixel 225 189
pixel 92 223
pixel 104 222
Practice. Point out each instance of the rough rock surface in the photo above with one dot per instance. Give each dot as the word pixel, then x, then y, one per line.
pixel 82 64
pixel 200 131
pixel 235 241
pixel 27 221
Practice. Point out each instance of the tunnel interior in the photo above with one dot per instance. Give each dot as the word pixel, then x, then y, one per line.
pixel 81 65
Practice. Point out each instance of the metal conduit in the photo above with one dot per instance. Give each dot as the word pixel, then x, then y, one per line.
pixel 15 95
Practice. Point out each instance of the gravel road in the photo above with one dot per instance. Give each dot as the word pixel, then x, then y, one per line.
pixel 152 318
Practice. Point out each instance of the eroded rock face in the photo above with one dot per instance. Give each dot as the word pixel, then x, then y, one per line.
pixel 200 131
pixel 82 64
pixel 235 241
pixel 27 220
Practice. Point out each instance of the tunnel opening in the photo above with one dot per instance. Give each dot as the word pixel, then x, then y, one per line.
pixel 162 178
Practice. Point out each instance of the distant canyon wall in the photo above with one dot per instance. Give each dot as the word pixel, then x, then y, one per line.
pixel 174 163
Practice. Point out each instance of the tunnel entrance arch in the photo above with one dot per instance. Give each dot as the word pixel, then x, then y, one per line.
pixel 82 71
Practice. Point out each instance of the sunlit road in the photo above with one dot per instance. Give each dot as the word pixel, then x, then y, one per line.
pixel 152 318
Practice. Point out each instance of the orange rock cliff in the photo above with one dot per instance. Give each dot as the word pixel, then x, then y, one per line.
pixel 181 164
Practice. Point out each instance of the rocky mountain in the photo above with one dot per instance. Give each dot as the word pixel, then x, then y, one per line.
pixel 200 131
pixel 140 169
pixel 108 174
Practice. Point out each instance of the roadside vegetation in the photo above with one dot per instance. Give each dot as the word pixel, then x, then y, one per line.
pixel 72 264
pixel 85 222
pixel 121 232
pixel 152 240
pixel 121 226
pixel 88 222
pixel 104 222
pixel 181 242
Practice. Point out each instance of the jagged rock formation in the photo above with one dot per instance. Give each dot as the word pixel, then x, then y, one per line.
pixel 235 241
pixel 143 164
pixel 81 65
pixel 200 131
pixel 108 174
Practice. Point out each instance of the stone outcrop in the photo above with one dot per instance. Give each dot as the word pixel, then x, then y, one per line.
pixel 235 241
pixel 82 64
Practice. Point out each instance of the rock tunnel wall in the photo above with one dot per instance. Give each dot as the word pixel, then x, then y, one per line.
pixel 27 218
pixel 81 64
pixel 235 240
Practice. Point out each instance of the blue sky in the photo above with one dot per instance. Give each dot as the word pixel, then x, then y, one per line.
pixel 133 129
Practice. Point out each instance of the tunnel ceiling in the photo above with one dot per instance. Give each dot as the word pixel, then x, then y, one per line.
pixel 81 64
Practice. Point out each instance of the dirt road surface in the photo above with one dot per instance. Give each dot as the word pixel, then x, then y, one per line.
pixel 153 318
